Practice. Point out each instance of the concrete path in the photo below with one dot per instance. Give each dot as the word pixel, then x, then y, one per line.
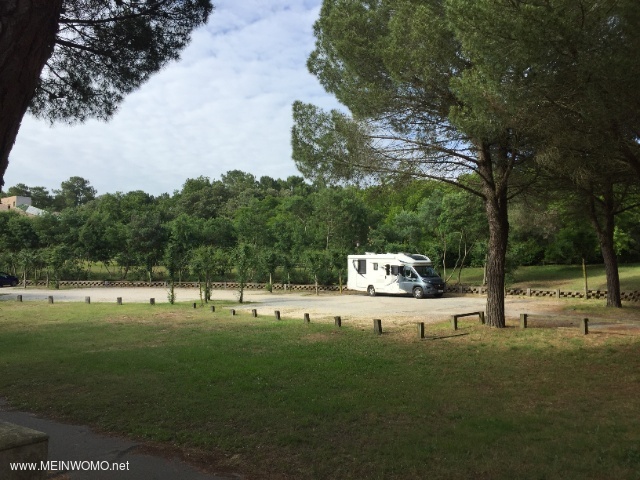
pixel 69 443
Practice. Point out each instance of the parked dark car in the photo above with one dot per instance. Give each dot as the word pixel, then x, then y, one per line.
pixel 6 279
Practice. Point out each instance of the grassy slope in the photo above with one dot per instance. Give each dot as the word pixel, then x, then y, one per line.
pixel 287 400
pixel 564 277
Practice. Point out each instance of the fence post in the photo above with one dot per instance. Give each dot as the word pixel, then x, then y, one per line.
pixel 277 313
pixel 558 293
pixel 523 320
pixel 50 299
pixel 481 315
pixel 233 311
pixel 195 305
pixel 420 329
pixel 87 299
pixel 213 308
pixel 584 326
pixel 19 299
pixel 119 300
pixel 152 301
pixel 338 321
pixel 306 318
pixel 454 322
pixel 528 292
pixel 254 312
pixel 377 326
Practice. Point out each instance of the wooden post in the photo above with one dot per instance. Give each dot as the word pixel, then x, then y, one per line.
pixel 119 300
pixel 420 329
pixel 558 293
pixel 277 313
pixel 377 326
pixel 454 322
pixel 87 299
pixel 586 283
pixel 195 305
pixel 213 308
pixel 254 312
pixel 584 326
pixel 338 321
pixel 306 318
pixel 19 299
pixel 233 311
pixel 50 299
pixel 523 320
pixel 528 292
pixel 481 315
pixel 152 301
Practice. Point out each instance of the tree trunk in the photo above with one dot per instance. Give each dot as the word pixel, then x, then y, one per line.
pixel 614 298
pixel 27 34
pixel 498 234
pixel 495 173
pixel 604 224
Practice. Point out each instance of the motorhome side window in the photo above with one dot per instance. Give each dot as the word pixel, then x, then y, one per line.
pixel 362 266
pixel 375 266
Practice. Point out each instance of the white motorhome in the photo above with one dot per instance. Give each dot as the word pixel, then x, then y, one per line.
pixel 400 273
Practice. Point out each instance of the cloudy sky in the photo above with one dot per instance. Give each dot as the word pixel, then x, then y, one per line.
pixel 225 105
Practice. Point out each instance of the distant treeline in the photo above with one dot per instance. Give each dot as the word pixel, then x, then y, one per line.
pixel 271 230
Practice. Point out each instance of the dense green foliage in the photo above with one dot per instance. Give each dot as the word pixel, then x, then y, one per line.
pixel 274 230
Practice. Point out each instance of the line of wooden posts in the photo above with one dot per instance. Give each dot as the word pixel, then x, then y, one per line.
pixel 377 323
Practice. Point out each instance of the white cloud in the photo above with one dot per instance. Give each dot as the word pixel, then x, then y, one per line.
pixel 226 105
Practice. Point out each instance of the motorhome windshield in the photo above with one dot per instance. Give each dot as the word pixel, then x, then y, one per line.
pixel 425 271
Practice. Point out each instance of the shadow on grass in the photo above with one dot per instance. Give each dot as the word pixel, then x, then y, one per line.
pixel 442 337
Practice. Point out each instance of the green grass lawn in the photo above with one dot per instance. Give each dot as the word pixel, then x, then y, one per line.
pixel 564 277
pixel 283 399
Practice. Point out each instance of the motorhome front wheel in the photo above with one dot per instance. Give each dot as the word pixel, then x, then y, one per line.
pixel 371 291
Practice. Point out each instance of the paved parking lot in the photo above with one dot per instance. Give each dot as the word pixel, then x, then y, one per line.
pixel 357 306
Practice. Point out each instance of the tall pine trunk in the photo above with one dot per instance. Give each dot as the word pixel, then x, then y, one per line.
pixel 27 35
pixel 603 221
pixel 495 173
pixel 496 260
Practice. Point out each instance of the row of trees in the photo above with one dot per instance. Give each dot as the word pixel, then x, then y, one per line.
pixel 73 192
pixel 283 231
pixel 496 97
